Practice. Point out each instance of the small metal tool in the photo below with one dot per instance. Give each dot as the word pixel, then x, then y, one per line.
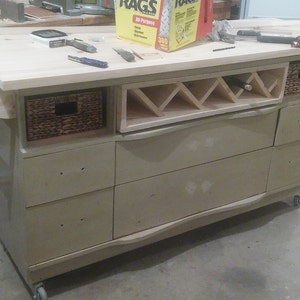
pixel 275 38
pixel 221 49
pixel 270 37
pixel 128 56
pixel 246 32
pixel 79 44
pixel 89 61
pixel 136 54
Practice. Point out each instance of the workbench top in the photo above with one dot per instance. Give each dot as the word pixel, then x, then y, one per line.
pixel 26 64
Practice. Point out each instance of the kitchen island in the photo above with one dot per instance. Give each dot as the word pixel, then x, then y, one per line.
pixel 96 162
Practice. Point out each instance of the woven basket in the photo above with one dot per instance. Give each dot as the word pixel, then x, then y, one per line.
pixel 293 79
pixel 64 113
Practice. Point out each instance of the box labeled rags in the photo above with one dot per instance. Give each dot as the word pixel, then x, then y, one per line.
pixel 164 24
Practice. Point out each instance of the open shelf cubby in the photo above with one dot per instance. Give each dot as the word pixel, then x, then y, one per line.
pixel 161 103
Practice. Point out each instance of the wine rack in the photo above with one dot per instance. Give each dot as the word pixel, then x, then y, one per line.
pixel 156 103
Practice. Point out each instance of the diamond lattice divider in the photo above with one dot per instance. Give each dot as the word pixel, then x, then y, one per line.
pixel 144 100
pixel 246 78
pixel 272 80
pixel 158 103
pixel 202 89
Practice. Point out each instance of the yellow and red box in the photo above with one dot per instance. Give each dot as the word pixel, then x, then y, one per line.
pixel 164 24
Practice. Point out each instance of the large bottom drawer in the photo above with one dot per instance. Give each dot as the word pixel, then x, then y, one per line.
pixel 157 200
pixel 69 225
pixel 285 166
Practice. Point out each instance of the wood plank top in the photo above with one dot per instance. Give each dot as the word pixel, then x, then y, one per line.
pixel 26 64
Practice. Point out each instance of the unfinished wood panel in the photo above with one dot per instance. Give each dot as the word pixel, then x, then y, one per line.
pixel 144 100
pixel 270 80
pixel 157 200
pixel 206 97
pixel 161 95
pixel 188 96
pixel 224 92
pixel 275 81
pixel 201 89
pixel 289 125
pixel 68 173
pixel 259 86
pixel 28 69
pixel 192 146
pixel 122 113
pixel 65 226
pixel 285 166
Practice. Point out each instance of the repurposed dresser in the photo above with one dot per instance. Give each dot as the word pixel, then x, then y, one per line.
pixel 96 162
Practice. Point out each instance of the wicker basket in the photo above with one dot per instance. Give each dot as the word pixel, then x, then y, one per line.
pixel 64 113
pixel 293 79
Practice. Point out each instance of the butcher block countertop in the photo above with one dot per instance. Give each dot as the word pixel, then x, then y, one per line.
pixel 26 64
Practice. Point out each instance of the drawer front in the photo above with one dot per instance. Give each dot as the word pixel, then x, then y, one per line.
pixel 196 145
pixel 68 173
pixel 69 225
pixel 154 201
pixel 285 166
pixel 289 125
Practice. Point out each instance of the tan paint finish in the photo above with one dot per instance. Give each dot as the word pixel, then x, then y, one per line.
pixel 193 146
pixel 69 207
pixel 157 200
pixel 69 225
pixel 289 125
pixel 285 167
pixel 68 173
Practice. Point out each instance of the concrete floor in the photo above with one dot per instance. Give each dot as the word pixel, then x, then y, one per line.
pixel 255 256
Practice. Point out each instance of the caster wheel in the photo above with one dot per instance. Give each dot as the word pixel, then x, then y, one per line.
pixel 297 200
pixel 40 293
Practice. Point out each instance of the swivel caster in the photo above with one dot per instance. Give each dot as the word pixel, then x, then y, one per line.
pixel 297 200
pixel 40 292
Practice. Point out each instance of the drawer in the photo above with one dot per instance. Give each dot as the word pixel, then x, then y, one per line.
pixel 68 173
pixel 196 145
pixel 150 202
pixel 285 166
pixel 289 125
pixel 61 227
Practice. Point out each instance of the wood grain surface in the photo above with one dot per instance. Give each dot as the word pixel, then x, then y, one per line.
pixel 25 64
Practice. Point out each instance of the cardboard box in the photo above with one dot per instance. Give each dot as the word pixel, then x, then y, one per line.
pixel 164 24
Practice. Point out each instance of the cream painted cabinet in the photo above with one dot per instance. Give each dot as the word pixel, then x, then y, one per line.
pixel 155 158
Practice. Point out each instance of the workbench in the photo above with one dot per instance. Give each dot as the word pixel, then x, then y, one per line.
pixel 141 151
